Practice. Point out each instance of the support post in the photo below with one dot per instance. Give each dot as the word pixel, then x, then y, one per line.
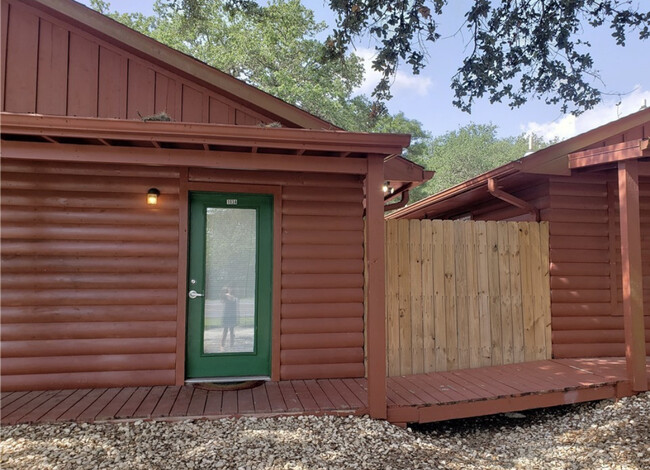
pixel 375 288
pixel 630 226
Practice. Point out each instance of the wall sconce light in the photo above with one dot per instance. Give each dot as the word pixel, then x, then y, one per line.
pixel 152 196
pixel 387 189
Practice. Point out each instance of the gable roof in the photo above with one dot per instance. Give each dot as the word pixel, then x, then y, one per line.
pixel 552 160
pixel 184 65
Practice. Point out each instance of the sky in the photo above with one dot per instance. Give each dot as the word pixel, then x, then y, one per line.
pixel 427 97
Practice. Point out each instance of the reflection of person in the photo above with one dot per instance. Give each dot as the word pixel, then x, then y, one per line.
pixel 229 316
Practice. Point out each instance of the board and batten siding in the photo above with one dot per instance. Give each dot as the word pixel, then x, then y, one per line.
pixel 89 275
pixel 51 67
pixel 322 281
pixel 586 265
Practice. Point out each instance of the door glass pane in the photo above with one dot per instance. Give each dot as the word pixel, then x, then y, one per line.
pixel 230 281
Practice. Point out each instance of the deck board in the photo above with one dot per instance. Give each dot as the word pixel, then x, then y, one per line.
pixel 412 398
pixel 149 403
pixel 275 397
pixel 261 400
pixel 10 397
pixel 213 403
pixel 22 401
pixel 182 403
pixel 164 406
pixel 111 409
pixel 198 402
pixel 90 413
pixel 245 404
pixel 75 410
pixel 46 406
pixel 133 403
pixel 337 400
pixel 26 409
pixel 290 397
pixel 229 402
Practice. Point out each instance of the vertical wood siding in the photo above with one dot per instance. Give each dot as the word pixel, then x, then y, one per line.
pixel 322 270
pixel 465 294
pixel 586 266
pixel 88 275
pixel 50 67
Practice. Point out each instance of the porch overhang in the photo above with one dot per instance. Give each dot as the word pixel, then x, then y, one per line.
pixel 627 159
pixel 153 135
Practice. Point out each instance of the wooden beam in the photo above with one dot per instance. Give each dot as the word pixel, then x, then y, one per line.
pixel 179 157
pixel 630 227
pixel 609 154
pixel 375 287
pixel 512 200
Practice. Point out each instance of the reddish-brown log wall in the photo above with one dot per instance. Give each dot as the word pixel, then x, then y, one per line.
pixel 586 267
pixel 322 270
pixel 89 275
pixel 50 67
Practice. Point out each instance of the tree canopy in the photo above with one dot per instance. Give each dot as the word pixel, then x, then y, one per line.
pixel 467 152
pixel 517 49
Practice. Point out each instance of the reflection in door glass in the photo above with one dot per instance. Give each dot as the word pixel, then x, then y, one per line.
pixel 230 280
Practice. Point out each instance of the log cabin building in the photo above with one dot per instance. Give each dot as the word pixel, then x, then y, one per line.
pixel 128 244
pixel 594 191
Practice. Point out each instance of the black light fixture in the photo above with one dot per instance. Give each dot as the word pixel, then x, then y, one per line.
pixel 152 196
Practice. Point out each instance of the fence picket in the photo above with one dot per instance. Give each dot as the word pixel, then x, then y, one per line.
pixel 462 308
pixel 428 317
pixel 439 295
pixel 404 298
pixel 415 261
pixel 504 294
pixel 451 314
pixel 465 294
pixel 472 299
pixel 485 348
pixel 392 298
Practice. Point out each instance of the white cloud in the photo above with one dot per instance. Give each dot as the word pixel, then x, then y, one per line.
pixel 607 111
pixel 418 84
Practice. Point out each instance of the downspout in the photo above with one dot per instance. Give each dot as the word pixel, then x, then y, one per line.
pixel 494 190
pixel 399 204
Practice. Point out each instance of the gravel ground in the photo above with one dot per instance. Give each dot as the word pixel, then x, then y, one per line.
pixel 602 435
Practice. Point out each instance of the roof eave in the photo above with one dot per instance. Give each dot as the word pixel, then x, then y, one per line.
pixel 201 133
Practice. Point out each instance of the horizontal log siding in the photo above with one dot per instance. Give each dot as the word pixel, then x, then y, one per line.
pixel 55 68
pixel 586 265
pixel 322 270
pixel 89 275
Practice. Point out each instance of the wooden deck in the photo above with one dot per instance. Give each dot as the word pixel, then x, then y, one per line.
pixel 415 398
pixel 467 393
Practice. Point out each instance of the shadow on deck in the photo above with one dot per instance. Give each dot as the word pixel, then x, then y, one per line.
pixel 415 398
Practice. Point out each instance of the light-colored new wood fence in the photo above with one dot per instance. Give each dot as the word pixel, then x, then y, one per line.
pixel 465 294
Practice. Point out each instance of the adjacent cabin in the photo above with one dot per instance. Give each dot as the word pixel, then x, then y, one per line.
pixel 239 239
pixel 594 192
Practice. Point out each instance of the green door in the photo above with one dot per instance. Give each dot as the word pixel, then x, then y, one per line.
pixel 229 285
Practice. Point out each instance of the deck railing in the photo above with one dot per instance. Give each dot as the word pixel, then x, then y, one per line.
pixel 465 294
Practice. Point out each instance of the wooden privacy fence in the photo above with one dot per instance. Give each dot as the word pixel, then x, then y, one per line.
pixel 465 294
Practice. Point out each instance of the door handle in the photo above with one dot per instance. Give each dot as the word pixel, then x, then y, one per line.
pixel 194 294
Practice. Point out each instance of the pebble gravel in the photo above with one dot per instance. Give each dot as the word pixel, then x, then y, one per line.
pixel 600 435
